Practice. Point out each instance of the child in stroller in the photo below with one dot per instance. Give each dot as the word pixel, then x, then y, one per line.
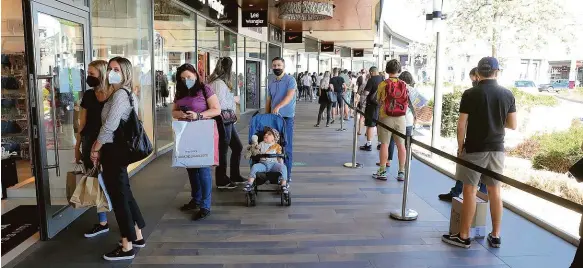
pixel 269 145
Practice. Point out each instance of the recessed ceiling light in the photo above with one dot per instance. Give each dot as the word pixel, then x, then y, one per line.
pixel 250 5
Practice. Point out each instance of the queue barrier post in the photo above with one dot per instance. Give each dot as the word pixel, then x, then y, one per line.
pixel 353 164
pixel 405 214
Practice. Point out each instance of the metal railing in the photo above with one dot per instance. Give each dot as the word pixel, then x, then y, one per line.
pixel 409 214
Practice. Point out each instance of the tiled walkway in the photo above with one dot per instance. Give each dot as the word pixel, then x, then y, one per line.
pixel 338 218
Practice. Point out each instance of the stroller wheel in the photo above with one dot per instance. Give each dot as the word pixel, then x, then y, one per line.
pixel 248 199
pixel 282 199
pixel 288 199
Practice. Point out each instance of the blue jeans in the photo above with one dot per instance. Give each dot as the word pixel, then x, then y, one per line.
pixel 269 167
pixel 201 186
pixel 102 216
pixel 289 148
pixel 459 187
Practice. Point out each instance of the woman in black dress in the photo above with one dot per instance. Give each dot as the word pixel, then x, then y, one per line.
pixel 323 100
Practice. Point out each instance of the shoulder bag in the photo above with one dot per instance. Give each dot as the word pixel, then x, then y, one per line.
pixel 135 136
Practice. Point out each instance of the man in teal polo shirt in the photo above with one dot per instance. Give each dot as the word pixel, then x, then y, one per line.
pixel 282 100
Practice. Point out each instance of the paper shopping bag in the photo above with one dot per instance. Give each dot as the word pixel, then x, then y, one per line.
pixel 73 178
pixel 87 191
pixel 196 144
pixel 103 203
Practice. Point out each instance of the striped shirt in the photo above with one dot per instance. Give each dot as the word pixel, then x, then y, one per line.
pixel 116 108
pixel 225 96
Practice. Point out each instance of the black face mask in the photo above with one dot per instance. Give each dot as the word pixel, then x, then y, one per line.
pixel 93 81
pixel 475 83
pixel 277 72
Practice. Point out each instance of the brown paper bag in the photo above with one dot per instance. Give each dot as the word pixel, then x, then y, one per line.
pixel 103 202
pixel 73 178
pixel 89 192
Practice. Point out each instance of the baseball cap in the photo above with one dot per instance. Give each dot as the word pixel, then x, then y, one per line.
pixel 488 63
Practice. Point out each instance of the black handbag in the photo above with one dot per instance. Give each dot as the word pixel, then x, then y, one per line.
pixel 134 136
pixel 577 170
pixel 10 82
pixel 229 116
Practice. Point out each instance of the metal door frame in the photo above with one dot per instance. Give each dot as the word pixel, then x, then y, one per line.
pixel 50 225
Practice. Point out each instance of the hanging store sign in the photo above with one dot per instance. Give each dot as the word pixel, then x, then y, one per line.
pixel 357 53
pixel 293 37
pixel 327 47
pixel 230 17
pixel 254 18
pixel 215 9
pixel 311 45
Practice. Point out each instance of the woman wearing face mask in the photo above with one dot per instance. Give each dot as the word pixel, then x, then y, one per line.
pixel 112 153
pixel 220 82
pixel 195 101
pixel 89 125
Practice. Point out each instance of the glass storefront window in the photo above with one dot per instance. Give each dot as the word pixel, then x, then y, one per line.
pixel 324 63
pixel 290 61
pixel 15 110
pixel 229 49
pixel 240 73
pixel 346 64
pixel 208 46
pixel 127 34
pixel 174 42
pixel 313 63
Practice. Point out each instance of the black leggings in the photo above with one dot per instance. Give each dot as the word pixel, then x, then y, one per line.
pixel 328 107
pixel 117 183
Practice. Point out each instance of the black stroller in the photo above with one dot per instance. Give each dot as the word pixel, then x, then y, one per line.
pixel 256 127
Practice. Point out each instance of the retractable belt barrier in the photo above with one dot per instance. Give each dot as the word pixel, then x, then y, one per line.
pixel 499 177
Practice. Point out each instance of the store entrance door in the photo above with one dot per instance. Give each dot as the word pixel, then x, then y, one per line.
pixel 59 48
pixel 252 84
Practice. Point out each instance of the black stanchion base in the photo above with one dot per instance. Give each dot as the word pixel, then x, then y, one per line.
pixel 349 165
pixel 341 129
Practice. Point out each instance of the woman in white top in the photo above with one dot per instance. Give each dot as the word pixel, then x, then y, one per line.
pixel 221 82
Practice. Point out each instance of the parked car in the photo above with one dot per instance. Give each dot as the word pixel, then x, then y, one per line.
pixel 554 86
pixel 526 85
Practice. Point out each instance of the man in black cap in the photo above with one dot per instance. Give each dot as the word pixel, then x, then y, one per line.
pixel 486 110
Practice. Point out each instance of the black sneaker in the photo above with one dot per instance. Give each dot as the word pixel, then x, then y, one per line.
pixel 456 240
pixel 446 197
pixel 201 214
pixel 366 147
pixel 494 242
pixel 229 186
pixel 97 230
pixel 379 147
pixel 192 205
pixel 138 243
pixel 118 254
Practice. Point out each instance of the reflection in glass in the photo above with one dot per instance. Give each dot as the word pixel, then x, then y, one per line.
pixel 121 28
pixel 240 72
pixel 60 73
pixel 174 41
pixel 252 84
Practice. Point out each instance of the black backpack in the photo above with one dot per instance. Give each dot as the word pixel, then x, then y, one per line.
pixel 132 134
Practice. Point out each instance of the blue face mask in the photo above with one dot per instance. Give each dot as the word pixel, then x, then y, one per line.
pixel 189 83
pixel 114 77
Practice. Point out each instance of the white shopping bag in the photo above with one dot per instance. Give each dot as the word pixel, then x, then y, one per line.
pixel 196 144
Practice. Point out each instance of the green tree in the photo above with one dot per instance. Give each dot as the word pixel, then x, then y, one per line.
pixel 526 24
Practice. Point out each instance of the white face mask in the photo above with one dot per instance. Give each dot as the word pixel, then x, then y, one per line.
pixel 114 77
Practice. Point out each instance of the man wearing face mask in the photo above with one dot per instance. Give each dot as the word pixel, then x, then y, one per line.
pixel 281 99
pixel 459 186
